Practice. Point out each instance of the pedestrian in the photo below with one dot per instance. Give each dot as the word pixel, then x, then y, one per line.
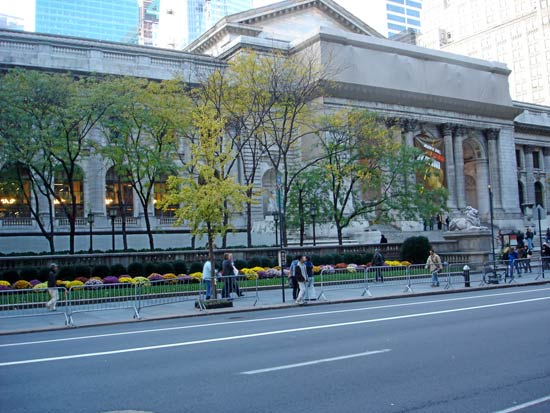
pixel 311 294
pixel 545 256
pixel 207 279
pixel 439 222
pixel 52 287
pixel 447 222
pixel 527 266
pixel 547 236
pixel 377 262
pixel 529 235
pixel 513 262
pixel 433 263
pixel 300 273
pixel 229 273
pixel 292 277
pixel 431 222
pixel 383 239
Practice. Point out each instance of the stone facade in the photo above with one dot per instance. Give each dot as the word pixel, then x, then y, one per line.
pixel 459 103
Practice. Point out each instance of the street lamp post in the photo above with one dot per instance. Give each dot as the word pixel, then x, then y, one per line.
pixel 492 226
pixel 276 219
pixel 313 214
pixel 112 215
pixel 282 255
pixel 539 207
pixel 90 219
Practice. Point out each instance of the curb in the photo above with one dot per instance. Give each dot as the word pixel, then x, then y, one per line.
pixel 278 307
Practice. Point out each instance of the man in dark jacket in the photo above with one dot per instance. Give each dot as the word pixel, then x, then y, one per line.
pixel 52 287
pixel 377 262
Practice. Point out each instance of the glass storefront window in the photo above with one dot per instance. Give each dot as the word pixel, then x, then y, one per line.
pixel 119 193
pixel 62 191
pixel 15 189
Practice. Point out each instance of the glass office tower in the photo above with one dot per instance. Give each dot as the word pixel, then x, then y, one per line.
pixel 403 15
pixel 111 20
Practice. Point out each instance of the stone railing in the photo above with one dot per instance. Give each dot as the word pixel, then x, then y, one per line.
pixel 17 222
pixel 391 252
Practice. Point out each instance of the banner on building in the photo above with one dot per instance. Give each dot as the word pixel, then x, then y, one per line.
pixel 432 149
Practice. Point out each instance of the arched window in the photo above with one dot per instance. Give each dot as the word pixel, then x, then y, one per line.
pixel 62 190
pixel 119 193
pixel 15 190
pixel 521 194
pixel 160 192
pixel 539 194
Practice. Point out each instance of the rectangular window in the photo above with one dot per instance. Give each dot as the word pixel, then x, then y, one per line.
pixel 518 158
pixel 414 4
pixel 398 1
pixel 397 27
pixel 393 17
pixel 536 160
pixel 413 22
pixel 414 13
pixel 396 9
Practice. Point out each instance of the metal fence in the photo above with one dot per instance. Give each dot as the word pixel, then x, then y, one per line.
pixel 338 279
pixel 32 302
pixel 234 287
pixel 161 292
pixel 102 297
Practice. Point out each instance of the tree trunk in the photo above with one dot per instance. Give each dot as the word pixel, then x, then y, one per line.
pixel 249 225
pixel 72 230
pixel 301 216
pixel 340 237
pixel 123 230
pixel 212 262
pixel 148 228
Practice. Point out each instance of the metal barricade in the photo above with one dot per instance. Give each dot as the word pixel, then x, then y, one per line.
pixel 495 272
pixel 238 287
pixel 345 278
pixel 544 266
pixel 102 297
pixel 160 292
pixel 387 276
pixel 32 302
pixel 420 274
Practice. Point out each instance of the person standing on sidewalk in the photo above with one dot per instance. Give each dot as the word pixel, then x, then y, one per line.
pixel 311 293
pixel 513 262
pixel 434 265
pixel 292 277
pixel 52 287
pixel 207 278
pixel 529 235
pixel 377 262
pixel 301 277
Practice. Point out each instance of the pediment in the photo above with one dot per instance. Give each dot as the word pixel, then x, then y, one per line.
pixel 281 22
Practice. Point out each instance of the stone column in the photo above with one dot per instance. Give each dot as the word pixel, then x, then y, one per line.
pixel 508 171
pixel 482 178
pixel 529 176
pixel 492 156
pixel 450 173
pixel 459 165
pixel 410 126
pixel 547 171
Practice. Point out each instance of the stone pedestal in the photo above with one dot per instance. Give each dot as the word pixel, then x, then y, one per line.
pixel 476 243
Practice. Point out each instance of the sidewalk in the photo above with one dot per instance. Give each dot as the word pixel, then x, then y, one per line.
pixel 268 299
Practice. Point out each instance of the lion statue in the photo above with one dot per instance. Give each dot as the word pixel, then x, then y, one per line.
pixel 468 222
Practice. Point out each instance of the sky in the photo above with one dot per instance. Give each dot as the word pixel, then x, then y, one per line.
pixel 25 8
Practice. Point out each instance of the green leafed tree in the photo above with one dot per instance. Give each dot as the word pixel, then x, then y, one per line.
pixel 371 174
pixel 207 196
pixel 141 132
pixel 51 117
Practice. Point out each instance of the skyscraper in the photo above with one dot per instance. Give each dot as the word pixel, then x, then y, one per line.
pixel 510 31
pixel 111 20
pixel 402 15
pixel 182 21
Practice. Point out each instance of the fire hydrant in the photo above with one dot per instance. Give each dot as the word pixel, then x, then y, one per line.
pixel 466 274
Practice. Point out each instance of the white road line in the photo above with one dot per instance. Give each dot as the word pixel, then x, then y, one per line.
pixel 268 333
pixel 525 405
pixel 313 362
pixel 256 320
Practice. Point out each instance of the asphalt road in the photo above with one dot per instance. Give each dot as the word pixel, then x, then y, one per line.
pixel 473 352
